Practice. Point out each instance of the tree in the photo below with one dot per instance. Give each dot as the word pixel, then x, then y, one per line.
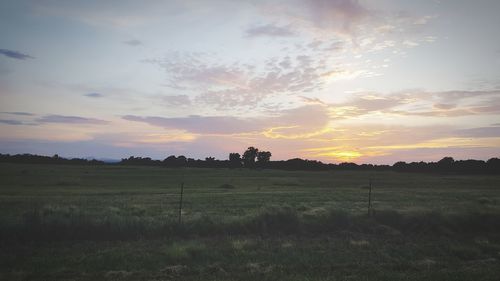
pixel 170 161
pixel 181 161
pixel 234 160
pixel 445 164
pixel 446 161
pixel 263 157
pixel 249 156
pixel 400 166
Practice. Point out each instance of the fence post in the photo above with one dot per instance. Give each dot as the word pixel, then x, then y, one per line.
pixel 369 196
pixel 180 203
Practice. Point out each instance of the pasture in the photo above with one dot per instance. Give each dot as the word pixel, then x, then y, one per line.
pixel 62 222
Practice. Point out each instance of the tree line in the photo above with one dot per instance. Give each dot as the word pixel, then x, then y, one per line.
pixel 254 158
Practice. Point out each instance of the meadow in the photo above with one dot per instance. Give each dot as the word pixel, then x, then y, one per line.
pixel 111 222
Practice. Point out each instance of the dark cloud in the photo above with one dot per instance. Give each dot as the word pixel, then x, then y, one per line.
pixel 18 113
pixel 15 54
pixel 11 122
pixel 270 30
pixel 133 42
pixel 71 120
pixel 15 122
pixel 94 95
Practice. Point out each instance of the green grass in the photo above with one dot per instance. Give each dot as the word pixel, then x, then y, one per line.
pixel 120 223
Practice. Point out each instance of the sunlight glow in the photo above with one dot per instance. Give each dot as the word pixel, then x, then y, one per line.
pixel 342 155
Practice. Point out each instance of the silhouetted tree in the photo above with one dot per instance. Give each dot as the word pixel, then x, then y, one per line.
pixel 170 161
pixel 38 159
pixel 493 165
pixel 445 164
pixel 181 161
pixel 234 160
pixel 249 156
pixel 400 166
pixel 446 161
pixel 263 158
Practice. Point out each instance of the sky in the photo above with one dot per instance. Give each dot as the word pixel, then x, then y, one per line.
pixel 332 80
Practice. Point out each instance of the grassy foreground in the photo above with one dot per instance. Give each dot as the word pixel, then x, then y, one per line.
pixel 120 223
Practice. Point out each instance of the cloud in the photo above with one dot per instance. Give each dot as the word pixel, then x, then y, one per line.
pixel 341 17
pixel 15 122
pixel 480 132
pixel 11 122
pixel 360 23
pixel 176 100
pixel 308 100
pixel 420 103
pixel 200 124
pixel 362 143
pixel 270 30
pixel 15 54
pixel 133 42
pixel 18 113
pixel 444 106
pixel 337 14
pixel 232 85
pixel 293 122
pixel 94 95
pixel 71 120
pixel 331 32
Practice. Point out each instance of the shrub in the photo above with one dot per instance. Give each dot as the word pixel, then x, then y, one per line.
pixel 275 219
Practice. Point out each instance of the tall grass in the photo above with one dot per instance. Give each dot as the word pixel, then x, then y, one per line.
pixel 71 223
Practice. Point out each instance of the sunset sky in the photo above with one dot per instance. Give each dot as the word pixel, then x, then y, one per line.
pixel 339 80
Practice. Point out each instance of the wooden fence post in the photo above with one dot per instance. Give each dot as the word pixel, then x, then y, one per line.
pixel 180 203
pixel 369 196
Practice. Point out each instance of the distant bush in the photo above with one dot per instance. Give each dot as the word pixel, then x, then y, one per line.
pixel 227 186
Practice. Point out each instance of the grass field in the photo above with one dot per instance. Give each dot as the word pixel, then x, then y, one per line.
pixel 120 223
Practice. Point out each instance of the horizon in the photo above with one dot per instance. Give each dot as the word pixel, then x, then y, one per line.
pixel 187 157
pixel 335 81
